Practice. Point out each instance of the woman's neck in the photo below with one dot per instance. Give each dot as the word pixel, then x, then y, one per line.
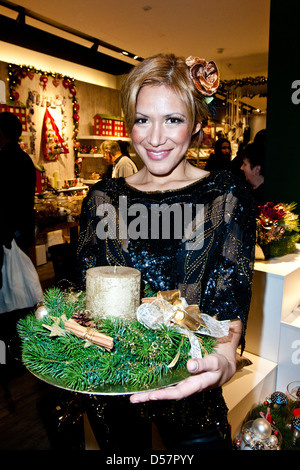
pixel 179 178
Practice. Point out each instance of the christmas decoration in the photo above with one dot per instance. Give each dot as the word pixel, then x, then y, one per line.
pixel 44 81
pixel 53 144
pixel 278 399
pixel 259 434
pixel 281 415
pixel 90 334
pixel 41 311
pixel 246 82
pixel 56 81
pixel 295 426
pixel 16 73
pixel 277 229
pixel 293 391
pixel 139 357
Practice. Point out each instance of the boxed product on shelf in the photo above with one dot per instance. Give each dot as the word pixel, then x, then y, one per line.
pixel 109 126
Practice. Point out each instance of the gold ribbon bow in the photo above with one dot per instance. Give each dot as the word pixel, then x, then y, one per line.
pixel 170 309
pixel 184 315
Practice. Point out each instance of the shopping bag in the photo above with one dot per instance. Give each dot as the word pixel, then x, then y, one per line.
pixel 21 286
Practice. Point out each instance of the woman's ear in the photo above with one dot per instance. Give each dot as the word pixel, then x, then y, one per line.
pixel 197 128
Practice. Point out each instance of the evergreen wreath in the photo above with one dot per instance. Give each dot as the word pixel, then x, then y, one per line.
pixel 139 357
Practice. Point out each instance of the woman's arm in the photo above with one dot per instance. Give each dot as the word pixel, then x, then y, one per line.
pixel 209 372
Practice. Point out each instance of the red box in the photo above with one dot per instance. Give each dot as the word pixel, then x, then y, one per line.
pixel 109 126
pixel 19 111
pixel 41 181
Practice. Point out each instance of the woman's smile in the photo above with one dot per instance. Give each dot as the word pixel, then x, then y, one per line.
pixel 157 154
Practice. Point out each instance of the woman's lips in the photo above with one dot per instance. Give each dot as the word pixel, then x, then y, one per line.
pixel 157 155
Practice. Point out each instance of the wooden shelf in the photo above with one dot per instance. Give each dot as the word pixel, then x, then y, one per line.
pixel 102 137
pixel 91 155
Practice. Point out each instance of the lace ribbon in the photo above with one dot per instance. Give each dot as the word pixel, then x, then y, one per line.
pixel 169 309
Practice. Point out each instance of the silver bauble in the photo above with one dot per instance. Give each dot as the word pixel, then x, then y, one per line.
pixel 247 438
pixel 273 440
pixel 262 428
pixel 41 311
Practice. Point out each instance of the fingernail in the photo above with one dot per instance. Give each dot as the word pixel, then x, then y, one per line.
pixel 193 366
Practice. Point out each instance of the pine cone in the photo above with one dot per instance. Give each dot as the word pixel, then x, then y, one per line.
pixel 83 318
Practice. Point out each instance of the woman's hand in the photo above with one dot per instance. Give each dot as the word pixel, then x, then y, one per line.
pixel 209 372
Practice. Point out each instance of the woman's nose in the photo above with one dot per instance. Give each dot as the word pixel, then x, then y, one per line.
pixel 156 135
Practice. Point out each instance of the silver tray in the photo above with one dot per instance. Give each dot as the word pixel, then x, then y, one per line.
pixel 172 378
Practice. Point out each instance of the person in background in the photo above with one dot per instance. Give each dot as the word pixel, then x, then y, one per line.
pixel 17 188
pixel 260 136
pixel 124 146
pixel 254 168
pixel 163 100
pixel 237 161
pixel 220 159
pixel 17 217
pixel 119 164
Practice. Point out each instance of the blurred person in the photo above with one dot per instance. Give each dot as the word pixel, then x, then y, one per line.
pixel 119 165
pixel 17 217
pixel 220 159
pixel 254 169
pixel 17 188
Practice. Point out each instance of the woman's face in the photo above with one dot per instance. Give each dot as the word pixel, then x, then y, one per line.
pixel 226 149
pixel 161 133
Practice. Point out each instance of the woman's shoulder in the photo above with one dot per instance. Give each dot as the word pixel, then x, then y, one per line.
pixel 106 185
pixel 227 180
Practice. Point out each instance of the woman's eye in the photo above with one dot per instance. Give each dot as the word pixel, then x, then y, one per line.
pixel 141 121
pixel 174 120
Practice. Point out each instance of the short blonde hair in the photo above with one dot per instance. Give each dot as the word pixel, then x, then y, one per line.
pixel 163 69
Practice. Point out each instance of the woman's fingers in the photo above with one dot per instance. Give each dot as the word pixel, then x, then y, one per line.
pixel 207 373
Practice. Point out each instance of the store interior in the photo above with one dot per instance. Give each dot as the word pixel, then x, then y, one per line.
pixel 65 72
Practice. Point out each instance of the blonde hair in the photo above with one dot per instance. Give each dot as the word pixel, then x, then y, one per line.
pixel 166 70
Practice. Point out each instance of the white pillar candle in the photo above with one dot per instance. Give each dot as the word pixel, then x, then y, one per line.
pixel 113 291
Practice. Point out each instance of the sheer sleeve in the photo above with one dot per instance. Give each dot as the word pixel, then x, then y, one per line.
pixel 228 283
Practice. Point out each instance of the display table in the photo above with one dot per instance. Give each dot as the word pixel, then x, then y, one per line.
pixel 272 337
pixel 276 292
pixel 248 387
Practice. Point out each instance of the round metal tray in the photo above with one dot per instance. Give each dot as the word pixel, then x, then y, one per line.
pixel 172 378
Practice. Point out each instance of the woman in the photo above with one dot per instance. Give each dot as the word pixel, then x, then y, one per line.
pixel 163 100
pixel 220 159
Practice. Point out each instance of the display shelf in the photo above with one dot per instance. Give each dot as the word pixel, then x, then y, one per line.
pixel 86 181
pixel 91 155
pixel 73 188
pixel 247 388
pixel 102 137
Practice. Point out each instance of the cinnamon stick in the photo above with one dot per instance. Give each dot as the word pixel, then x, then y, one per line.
pixel 91 334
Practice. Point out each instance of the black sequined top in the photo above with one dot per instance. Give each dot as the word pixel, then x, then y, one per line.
pixel 211 263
